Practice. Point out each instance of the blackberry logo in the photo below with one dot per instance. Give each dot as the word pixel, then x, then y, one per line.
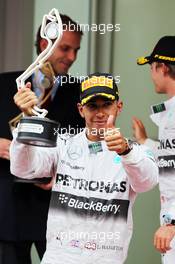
pixel 91 206
pixel 167 162
pixel 94 206
pixel 63 198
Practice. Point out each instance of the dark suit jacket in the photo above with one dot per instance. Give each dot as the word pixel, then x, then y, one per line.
pixel 23 206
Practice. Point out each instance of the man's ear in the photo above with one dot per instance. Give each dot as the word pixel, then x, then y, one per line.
pixel 43 44
pixel 165 69
pixel 119 106
pixel 80 109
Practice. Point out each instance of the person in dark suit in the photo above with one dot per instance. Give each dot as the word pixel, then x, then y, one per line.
pixel 24 205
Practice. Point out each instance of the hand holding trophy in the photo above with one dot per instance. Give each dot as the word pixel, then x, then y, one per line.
pixel 37 129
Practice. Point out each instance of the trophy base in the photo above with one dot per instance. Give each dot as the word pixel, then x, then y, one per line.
pixel 38 131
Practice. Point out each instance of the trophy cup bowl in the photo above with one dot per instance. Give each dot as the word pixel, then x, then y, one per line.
pixel 38 130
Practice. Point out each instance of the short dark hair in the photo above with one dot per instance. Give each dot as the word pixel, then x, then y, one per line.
pixel 171 69
pixel 68 24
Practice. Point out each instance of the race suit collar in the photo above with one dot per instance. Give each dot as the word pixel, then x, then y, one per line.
pixel 167 105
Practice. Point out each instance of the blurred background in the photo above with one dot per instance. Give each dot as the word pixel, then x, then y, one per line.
pixel 138 26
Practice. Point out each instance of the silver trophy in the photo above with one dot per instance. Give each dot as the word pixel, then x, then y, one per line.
pixel 38 130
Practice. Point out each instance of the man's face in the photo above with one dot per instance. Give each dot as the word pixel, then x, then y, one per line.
pixel 65 53
pixel 158 77
pixel 96 113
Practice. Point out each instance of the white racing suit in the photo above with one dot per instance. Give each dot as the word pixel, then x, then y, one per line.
pixel 90 216
pixel 165 153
